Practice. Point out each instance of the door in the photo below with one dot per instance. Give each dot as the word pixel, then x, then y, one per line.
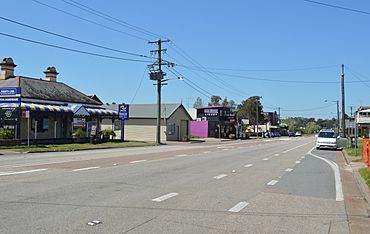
pixel 183 128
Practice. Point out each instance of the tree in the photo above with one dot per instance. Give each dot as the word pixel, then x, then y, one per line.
pixel 248 110
pixel 215 101
pixel 225 102
pixel 312 127
pixel 198 102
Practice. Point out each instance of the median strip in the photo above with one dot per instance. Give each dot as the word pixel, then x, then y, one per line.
pixel 164 197
pixel 21 172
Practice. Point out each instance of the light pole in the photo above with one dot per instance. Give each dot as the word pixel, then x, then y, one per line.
pixel 337 102
pixel 257 110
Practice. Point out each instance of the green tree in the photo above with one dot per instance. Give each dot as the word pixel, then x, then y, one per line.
pixel 248 110
pixel 312 127
pixel 198 102
pixel 215 101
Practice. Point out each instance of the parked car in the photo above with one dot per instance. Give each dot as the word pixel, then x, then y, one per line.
pixel 277 134
pixel 291 134
pixel 329 139
pixel 298 134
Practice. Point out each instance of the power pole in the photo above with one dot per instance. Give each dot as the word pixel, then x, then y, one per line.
pixel 158 76
pixel 343 105
pixel 338 125
pixel 279 115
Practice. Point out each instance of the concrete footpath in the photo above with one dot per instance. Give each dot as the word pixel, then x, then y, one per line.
pixel 356 198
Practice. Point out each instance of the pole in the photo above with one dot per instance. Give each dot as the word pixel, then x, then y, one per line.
pixel 159 87
pixel 343 104
pixel 122 130
pixel 338 123
pixel 257 117
pixel 28 130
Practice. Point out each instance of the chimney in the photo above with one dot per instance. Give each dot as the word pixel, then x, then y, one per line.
pixel 51 74
pixel 7 68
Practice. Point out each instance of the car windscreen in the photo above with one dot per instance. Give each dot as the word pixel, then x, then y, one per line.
pixel 327 135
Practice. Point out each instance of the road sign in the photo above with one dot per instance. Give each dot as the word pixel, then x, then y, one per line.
pixel 123 111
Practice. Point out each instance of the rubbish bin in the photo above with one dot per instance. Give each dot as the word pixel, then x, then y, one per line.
pixel 353 141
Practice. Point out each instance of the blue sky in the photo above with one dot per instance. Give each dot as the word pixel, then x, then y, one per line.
pixel 252 35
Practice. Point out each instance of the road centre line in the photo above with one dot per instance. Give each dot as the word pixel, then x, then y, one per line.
pixel 276 155
pixel 206 152
pixel 219 176
pixel 181 155
pixel 238 207
pixel 248 165
pixel 272 182
pixel 21 172
pixel 86 168
pixel 164 197
pixel 288 169
pixel 335 168
pixel 138 161
pixel 265 159
pixel 286 151
pixel 297 162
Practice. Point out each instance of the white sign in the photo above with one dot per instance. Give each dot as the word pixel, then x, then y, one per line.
pixel 28 114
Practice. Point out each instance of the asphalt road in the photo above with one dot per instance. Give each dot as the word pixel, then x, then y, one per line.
pixel 255 186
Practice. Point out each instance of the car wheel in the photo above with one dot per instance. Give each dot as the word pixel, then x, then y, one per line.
pixel 318 148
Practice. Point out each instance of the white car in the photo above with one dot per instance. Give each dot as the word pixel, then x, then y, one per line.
pixel 329 139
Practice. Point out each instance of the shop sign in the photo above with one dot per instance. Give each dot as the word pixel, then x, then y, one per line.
pixel 123 111
pixel 10 100
pixel 9 114
pixel 10 91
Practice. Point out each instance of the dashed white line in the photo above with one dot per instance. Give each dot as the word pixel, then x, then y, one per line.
pixel 164 197
pixel 21 172
pixel 238 207
pixel 206 152
pixel 272 182
pixel 138 161
pixel 276 155
pixel 302 157
pixel 181 155
pixel 248 165
pixel 289 169
pixel 219 176
pixel 297 162
pixel 86 168
pixel 265 159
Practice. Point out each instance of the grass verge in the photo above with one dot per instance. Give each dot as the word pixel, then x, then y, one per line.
pixel 352 152
pixel 77 146
pixel 365 173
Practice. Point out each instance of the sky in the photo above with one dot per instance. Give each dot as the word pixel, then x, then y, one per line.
pixel 217 46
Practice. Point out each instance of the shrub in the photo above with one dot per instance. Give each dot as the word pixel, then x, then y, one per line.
pixel 6 134
pixel 107 133
pixel 79 133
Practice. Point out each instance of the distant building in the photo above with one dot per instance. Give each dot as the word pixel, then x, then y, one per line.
pixel 142 122
pixel 363 121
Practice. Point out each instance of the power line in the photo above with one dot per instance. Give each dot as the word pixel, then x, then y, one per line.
pixel 73 39
pixel 139 86
pixel 111 18
pixel 357 76
pixel 260 70
pixel 73 50
pixel 338 7
pixel 90 21
pixel 310 109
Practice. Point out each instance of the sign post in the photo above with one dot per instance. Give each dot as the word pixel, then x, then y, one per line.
pixel 123 114
pixel 28 127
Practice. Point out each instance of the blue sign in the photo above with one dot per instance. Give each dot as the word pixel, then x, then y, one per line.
pixel 123 111
pixel 10 91
pixel 10 99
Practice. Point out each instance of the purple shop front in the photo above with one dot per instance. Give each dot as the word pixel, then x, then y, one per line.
pixel 199 128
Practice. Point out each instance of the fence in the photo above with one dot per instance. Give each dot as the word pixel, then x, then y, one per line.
pixel 366 151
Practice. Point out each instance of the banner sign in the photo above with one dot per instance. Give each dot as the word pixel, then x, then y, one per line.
pixel 123 111
pixel 10 100
pixel 10 91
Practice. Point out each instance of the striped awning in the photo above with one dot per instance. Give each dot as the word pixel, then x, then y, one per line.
pixel 49 108
pixel 103 112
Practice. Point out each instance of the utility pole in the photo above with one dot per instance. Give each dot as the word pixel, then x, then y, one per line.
pixel 279 115
pixel 343 105
pixel 338 123
pixel 158 76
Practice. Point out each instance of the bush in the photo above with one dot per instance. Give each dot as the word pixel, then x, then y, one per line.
pixel 79 133
pixel 6 133
pixel 107 133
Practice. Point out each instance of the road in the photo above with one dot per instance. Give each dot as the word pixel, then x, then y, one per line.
pixel 281 185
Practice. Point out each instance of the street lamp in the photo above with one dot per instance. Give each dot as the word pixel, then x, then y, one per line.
pixel 337 102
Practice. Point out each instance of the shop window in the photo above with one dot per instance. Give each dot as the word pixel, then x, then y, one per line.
pixel 41 124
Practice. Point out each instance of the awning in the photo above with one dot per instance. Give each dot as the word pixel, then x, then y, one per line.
pixel 102 112
pixel 49 108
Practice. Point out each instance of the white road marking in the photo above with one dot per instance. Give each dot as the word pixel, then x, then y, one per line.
pixel 164 197
pixel 238 207
pixel 219 176
pixel 225 149
pixel 289 169
pixel 302 157
pixel 335 168
pixel 181 155
pixel 286 151
pixel 265 159
pixel 297 162
pixel 272 182
pixel 276 155
pixel 206 152
pixel 86 168
pixel 21 172
pixel 248 165
pixel 138 161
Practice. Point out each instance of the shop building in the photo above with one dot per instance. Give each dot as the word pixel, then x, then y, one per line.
pixel 46 110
